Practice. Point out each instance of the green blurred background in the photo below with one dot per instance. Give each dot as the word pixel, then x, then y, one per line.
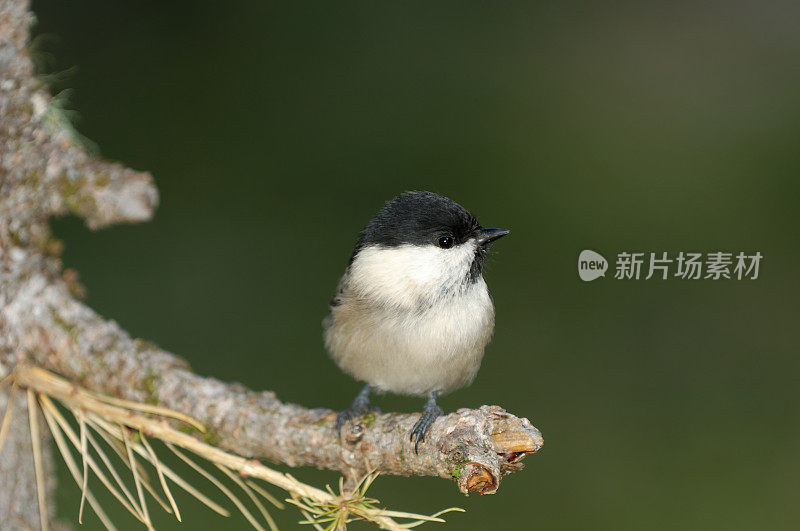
pixel 275 131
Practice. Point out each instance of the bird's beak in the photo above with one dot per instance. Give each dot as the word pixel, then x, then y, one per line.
pixel 485 236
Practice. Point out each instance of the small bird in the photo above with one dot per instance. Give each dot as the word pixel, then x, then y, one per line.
pixel 412 313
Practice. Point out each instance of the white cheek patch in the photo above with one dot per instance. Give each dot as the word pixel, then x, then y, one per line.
pixel 408 275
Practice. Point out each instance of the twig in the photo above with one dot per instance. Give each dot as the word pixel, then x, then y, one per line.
pixel 114 422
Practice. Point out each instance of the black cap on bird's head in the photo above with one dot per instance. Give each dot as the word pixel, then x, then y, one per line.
pixel 425 218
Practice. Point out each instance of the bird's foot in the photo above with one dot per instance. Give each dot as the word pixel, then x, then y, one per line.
pixel 360 406
pixel 430 412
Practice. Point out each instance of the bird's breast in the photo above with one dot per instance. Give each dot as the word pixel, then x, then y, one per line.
pixel 437 346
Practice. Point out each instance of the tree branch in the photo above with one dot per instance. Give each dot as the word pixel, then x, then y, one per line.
pixel 44 173
pixel 476 447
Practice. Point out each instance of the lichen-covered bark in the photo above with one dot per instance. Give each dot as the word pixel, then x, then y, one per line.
pixel 43 172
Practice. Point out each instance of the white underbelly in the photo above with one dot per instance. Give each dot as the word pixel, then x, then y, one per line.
pixel 415 353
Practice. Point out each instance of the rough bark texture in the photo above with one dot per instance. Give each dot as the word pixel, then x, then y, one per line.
pixel 42 320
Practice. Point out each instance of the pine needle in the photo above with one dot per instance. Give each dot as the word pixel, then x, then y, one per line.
pixel 236 501
pixel 269 497
pixel 116 420
pixel 136 480
pixel 47 405
pixel 115 442
pixel 263 510
pixel 149 408
pixel 8 415
pixel 178 480
pixel 110 467
pixel 84 452
pixel 36 443
pixel 309 520
pixel 421 519
pixel 73 468
pixel 157 465
pixel 347 507
pixel 167 471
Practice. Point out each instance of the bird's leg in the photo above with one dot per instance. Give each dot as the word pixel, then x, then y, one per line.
pixel 360 406
pixel 430 411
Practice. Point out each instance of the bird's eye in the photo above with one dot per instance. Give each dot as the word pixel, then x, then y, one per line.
pixel 445 242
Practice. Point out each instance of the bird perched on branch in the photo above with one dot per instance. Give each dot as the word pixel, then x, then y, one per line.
pixel 412 313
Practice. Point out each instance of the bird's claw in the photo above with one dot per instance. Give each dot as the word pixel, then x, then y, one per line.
pixel 423 425
pixel 357 409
